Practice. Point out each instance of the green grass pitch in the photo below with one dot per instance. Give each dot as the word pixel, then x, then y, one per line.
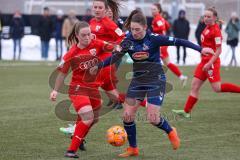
pixel 30 129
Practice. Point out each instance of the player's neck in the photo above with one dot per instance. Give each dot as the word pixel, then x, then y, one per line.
pixel 81 46
pixel 158 14
pixel 212 24
pixel 99 18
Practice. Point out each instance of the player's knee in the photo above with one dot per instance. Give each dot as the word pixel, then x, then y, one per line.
pixel 216 89
pixel 128 117
pixel 88 122
pixel 153 119
pixel 88 119
pixel 195 87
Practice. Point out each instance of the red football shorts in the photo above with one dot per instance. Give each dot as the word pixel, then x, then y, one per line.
pixel 213 74
pixel 82 99
pixel 108 77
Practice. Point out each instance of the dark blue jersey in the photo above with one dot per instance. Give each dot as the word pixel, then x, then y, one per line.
pixel 144 50
pixel 145 53
pixel 149 78
pixel 147 49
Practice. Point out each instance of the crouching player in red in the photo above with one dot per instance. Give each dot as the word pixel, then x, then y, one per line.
pixel 83 90
pixel 209 67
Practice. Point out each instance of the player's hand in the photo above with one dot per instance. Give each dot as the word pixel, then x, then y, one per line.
pixel 53 95
pixel 93 70
pixel 206 51
pixel 118 48
pixel 207 66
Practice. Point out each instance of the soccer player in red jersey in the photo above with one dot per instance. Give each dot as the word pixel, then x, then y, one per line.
pixel 83 90
pixel 161 26
pixel 209 67
pixel 106 29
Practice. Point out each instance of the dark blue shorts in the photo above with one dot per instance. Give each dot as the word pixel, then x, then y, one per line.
pixel 154 91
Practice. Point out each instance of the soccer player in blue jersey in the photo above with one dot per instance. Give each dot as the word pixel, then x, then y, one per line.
pixel 148 80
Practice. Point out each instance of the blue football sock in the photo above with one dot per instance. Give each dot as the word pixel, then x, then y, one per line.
pixel 163 124
pixel 131 132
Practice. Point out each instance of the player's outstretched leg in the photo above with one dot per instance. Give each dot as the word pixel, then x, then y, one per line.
pixel 132 150
pixel 153 112
pixel 192 98
pixel 130 127
pixel 174 69
pixel 171 131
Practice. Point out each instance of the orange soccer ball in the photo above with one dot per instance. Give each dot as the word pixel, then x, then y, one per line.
pixel 116 136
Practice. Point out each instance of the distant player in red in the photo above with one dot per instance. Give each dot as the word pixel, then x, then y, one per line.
pixel 209 67
pixel 106 29
pixel 83 90
pixel 161 26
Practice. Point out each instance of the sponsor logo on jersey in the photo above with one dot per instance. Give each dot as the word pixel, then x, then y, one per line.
pixel 145 47
pixel 159 23
pixel 218 40
pixel 140 55
pixel 93 51
pixel 131 48
pixel 171 38
pixel 210 74
pixel 98 28
pixel 88 64
pixel 119 32
pixel 154 34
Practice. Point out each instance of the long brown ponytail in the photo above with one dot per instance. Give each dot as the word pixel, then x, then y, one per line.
pixel 113 5
pixel 135 16
pixel 72 38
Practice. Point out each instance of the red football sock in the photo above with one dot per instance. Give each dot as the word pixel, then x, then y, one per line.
pixel 229 87
pixel 190 103
pixel 79 134
pixel 174 69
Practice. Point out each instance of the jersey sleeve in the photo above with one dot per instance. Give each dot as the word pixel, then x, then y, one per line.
pixel 114 30
pixel 112 59
pixel 159 40
pixel 104 46
pixel 65 63
pixel 218 37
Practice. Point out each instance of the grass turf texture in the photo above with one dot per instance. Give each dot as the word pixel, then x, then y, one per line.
pixel 30 129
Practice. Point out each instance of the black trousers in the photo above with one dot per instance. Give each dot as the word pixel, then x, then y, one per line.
pixel 184 54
